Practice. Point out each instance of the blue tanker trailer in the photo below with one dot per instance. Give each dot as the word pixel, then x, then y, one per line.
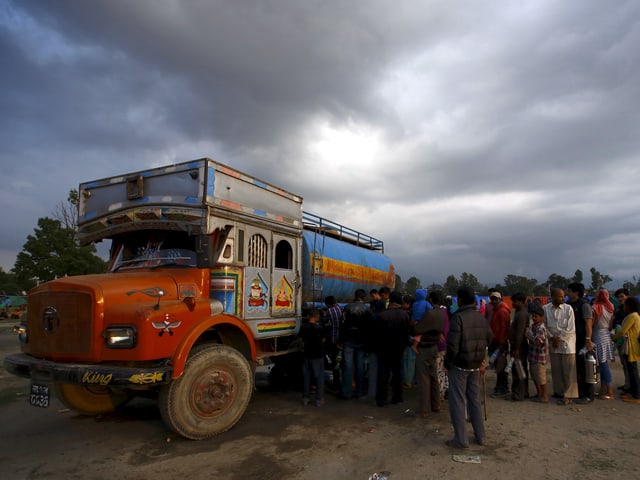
pixel 337 260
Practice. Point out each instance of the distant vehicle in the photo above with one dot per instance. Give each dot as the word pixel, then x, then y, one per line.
pixel 12 306
pixel 210 274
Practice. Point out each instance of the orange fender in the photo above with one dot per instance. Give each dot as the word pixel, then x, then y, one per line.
pixel 182 351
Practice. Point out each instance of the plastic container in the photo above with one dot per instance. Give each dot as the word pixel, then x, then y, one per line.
pixel 509 365
pixel 493 357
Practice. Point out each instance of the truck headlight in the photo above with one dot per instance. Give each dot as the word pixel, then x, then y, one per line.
pixel 120 337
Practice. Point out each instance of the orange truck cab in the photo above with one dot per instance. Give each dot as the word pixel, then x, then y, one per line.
pixel 210 273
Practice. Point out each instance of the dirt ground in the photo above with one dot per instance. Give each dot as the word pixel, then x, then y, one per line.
pixel 278 438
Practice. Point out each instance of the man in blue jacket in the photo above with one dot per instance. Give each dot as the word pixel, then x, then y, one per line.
pixel 419 307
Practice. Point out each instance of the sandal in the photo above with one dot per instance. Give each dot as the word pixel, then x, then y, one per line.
pixel 564 401
pixel 604 397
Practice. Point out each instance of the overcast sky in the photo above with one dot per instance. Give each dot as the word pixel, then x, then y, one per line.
pixel 491 138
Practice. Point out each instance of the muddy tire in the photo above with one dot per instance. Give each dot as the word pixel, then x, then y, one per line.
pixel 91 400
pixel 211 395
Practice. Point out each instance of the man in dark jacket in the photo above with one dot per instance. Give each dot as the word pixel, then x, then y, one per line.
pixel 392 335
pixel 519 347
pixel 583 314
pixel 467 342
pixel 356 318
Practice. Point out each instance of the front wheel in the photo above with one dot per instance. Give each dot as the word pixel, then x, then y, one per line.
pixel 91 400
pixel 211 395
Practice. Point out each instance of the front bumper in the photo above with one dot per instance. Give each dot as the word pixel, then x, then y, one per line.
pixel 26 366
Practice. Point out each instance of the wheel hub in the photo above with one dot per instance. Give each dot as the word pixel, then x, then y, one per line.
pixel 212 393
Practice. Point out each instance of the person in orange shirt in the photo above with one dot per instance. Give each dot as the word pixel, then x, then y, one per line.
pixel 499 324
pixel 483 307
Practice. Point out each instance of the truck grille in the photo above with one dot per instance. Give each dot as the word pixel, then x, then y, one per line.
pixel 60 325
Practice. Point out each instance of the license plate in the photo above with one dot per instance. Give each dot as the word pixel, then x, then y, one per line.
pixel 39 396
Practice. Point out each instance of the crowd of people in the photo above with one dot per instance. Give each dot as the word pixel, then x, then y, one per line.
pixel 393 342
pixel 581 335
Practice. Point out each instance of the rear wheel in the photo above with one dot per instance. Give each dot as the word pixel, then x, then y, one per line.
pixel 211 395
pixel 91 400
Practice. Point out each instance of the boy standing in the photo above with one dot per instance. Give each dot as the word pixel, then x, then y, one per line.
pixel 313 358
pixel 537 336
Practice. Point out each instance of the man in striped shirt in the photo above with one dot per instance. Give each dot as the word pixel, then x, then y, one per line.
pixel 332 320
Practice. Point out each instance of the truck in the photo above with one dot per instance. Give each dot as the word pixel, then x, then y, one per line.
pixel 210 274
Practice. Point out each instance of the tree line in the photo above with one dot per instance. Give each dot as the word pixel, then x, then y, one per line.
pixel 518 283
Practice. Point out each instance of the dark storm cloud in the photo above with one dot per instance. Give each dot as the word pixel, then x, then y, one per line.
pixel 252 69
pixel 488 138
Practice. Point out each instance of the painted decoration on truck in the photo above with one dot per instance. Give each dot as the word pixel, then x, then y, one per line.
pixel 225 286
pixel 89 377
pixel 278 326
pixel 257 294
pixel 352 272
pixel 166 325
pixel 147 378
pixel 284 297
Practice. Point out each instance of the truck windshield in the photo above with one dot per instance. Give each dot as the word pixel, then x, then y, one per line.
pixel 137 252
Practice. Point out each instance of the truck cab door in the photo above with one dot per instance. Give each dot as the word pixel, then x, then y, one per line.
pixel 284 277
pixel 258 288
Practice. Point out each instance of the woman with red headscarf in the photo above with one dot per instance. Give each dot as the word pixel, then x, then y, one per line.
pixel 603 345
